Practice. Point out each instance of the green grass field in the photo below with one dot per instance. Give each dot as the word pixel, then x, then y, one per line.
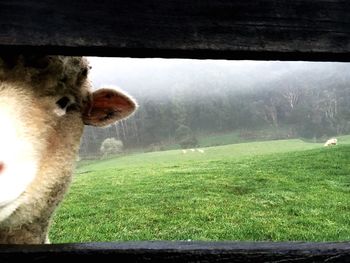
pixel 276 190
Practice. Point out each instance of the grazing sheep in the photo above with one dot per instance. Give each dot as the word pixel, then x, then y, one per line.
pixel 200 150
pixel 332 141
pixel 44 103
pixel 184 151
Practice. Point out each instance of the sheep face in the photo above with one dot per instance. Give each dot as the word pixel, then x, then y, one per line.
pixel 22 144
pixel 42 115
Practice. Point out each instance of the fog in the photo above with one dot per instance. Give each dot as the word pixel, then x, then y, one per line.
pixel 154 77
pixel 184 101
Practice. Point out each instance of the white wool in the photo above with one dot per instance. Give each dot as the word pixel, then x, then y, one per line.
pixel 332 141
pixel 17 154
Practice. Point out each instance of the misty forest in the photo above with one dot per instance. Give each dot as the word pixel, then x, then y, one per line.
pixel 187 103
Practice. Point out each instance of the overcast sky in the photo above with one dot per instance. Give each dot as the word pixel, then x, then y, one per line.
pixel 156 76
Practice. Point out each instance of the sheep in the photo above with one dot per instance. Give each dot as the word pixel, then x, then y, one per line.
pixel 332 141
pixel 184 151
pixel 45 101
pixel 200 150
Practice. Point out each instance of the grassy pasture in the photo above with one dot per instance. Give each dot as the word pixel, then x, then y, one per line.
pixel 275 190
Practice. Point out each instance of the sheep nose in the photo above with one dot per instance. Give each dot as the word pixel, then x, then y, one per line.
pixel 2 167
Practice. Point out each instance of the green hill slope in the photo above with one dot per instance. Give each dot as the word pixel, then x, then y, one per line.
pixel 279 190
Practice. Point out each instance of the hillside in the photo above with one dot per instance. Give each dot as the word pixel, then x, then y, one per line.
pixel 278 190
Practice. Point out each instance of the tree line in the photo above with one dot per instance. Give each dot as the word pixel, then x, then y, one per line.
pixel 305 102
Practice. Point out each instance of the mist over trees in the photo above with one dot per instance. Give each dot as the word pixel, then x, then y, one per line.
pixel 198 98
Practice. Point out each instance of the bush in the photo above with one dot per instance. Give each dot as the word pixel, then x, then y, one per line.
pixel 111 146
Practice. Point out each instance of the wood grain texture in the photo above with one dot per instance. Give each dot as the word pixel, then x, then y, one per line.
pixel 260 29
pixel 179 252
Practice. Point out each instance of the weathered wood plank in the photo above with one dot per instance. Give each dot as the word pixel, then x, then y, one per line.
pixel 180 252
pixel 259 29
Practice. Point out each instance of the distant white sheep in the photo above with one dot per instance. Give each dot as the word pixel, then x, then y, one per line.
pixel 330 142
pixel 192 150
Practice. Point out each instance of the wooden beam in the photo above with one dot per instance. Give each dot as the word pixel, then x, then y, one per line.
pixel 260 29
pixel 179 252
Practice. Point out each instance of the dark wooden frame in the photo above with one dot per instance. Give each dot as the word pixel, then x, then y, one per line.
pixel 317 30
pixel 167 251
pixel 218 29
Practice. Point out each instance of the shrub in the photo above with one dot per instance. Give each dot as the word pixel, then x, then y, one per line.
pixel 111 146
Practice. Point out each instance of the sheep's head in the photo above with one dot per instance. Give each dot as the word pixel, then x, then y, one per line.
pixel 44 104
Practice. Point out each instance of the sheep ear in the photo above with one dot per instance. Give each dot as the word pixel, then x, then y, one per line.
pixel 108 106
